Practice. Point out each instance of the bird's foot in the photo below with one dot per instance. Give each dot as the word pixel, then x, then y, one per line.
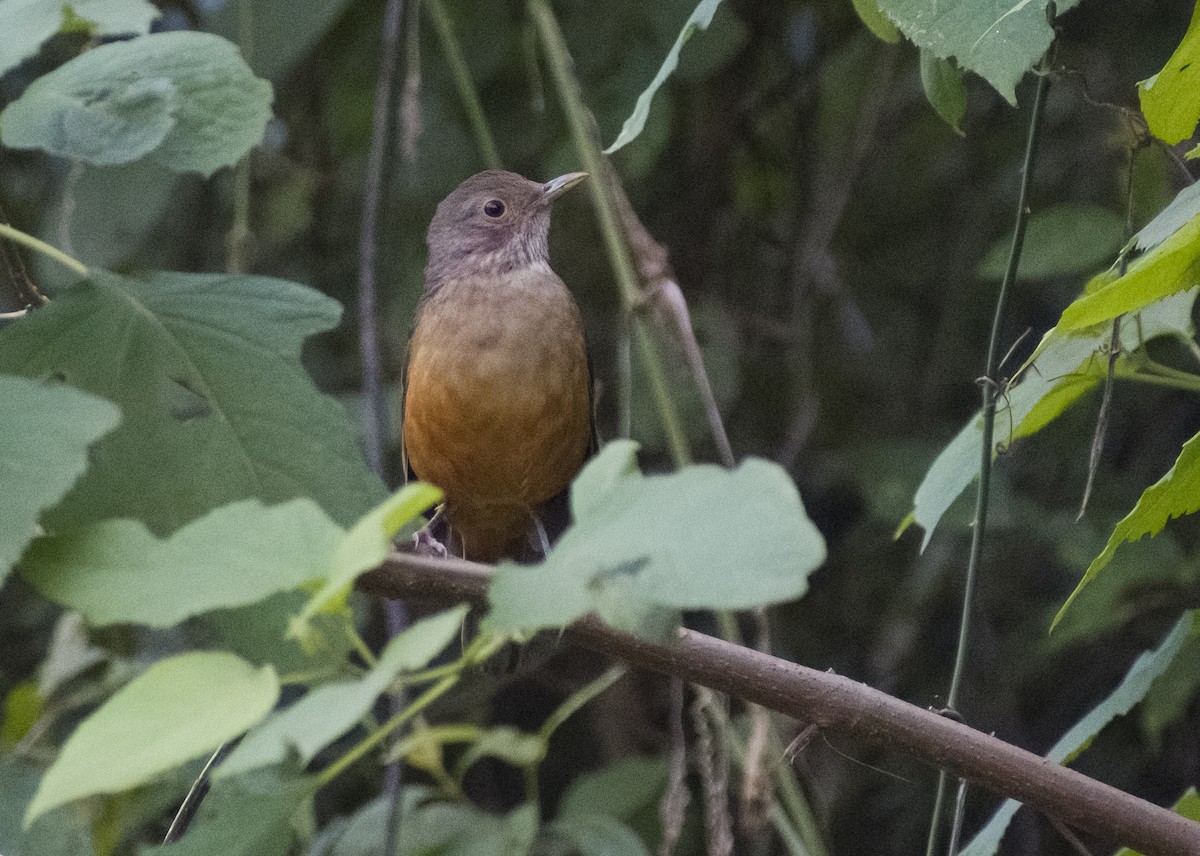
pixel 424 544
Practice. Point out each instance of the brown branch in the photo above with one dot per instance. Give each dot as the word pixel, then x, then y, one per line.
pixel 841 705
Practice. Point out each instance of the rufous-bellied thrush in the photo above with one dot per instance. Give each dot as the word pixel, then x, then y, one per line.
pixel 497 409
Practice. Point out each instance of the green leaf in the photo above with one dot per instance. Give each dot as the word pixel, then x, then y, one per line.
pixel 1183 209
pixel 700 538
pixel 1064 367
pixel 26 24
pixel 1171 267
pixel 1060 241
pixel 876 21
pixel 433 828
pixel 598 835
pixel 118 572
pixel 1187 806
pixel 945 89
pixel 329 711
pixel 178 709
pixel 700 18
pixel 248 816
pixel 44 435
pixel 57 833
pixel 112 211
pixel 1169 101
pixel 259 633
pixel 1119 702
pixel 282 31
pixel 999 41
pixel 619 790
pixel 366 545
pixel 1172 694
pixel 1177 493
pixel 510 745
pixel 188 99
pixel 216 406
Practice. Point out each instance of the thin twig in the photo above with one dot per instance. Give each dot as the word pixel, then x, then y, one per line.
pixel 375 415
pixel 411 123
pixel 27 293
pixel 1114 351
pixel 583 134
pixel 452 53
pixel 990 388
pixel 658 282
pixel 196 793
pixel 375 409
pixel 1070 837
pixel 712 761
pixel 676 797
pixel 19 237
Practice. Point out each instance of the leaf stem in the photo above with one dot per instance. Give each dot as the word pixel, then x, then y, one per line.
pixel 371 740
pixel 19 237
pixel 990 387
pixel 453 54
pixel 579 698
pixel 1175 380
pixel 583 134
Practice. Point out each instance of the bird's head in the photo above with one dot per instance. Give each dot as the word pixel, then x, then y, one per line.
pixel 495 221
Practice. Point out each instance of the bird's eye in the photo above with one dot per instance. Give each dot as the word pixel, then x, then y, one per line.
pixel 494 208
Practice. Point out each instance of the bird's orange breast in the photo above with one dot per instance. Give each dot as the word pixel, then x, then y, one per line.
pixel 497 409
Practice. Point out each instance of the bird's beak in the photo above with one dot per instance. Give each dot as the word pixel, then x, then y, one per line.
pixel 556 187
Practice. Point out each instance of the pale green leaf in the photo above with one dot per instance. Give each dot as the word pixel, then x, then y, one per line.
pixel 700 18
pixel 329 711
pixel 1171 267
pixel 1183 209
pixel 118 572
pixel 1060 241
pixel 433 828
pixel 510 745
pixel 1177 493
pixel 282 31
pixel 45 431
pixel 178 709
pixel 26 24
pixel 1171 696
pixel 876 21
pixel 598 835
pixel 247 816
pixel 945 89
pixel 112 210
pixel 215 404
pixel 999 41
pixel 1064 367
pixel 187 99
pixel 619 790
pixel 1170 100
pixel 700 538
pixel 1119 702
pixel 366 545
pixel 61 832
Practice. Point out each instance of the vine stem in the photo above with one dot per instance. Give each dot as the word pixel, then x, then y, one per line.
pixel 26 240
pixel 452 53
pixel 370 741
pixel 375 413
pixel 989 389
pixel 632 299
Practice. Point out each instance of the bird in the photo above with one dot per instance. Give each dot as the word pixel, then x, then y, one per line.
pixel 497 395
